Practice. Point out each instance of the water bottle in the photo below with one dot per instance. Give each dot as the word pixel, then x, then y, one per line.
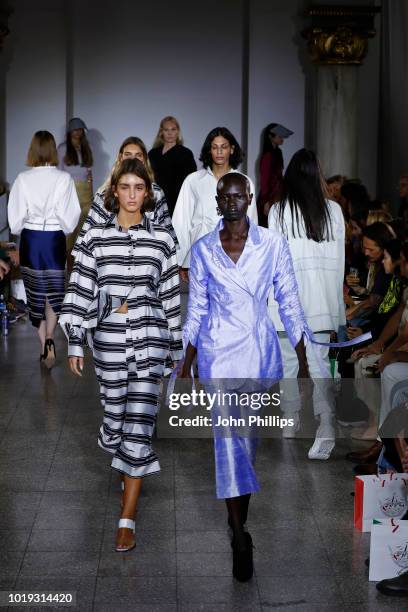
pixel 4 316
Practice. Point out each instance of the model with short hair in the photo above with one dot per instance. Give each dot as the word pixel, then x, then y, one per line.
pixel 232 270
pixel 43 207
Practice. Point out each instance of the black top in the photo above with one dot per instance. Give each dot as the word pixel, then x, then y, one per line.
pixel 171 169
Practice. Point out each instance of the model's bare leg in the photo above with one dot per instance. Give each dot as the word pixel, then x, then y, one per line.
pixel 50 321
pixel 41 329
pixel 125 537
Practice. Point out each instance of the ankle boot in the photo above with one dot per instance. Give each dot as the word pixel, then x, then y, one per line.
pixel 242 561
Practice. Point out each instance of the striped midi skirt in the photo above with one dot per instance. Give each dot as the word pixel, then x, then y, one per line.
pixel 129 399
pixel 42 264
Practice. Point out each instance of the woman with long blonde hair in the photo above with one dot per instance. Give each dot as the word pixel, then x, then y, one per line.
pixel 131 148
pixel 171 161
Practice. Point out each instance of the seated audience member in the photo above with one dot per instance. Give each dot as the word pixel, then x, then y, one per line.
pixel 378 215
pixel 355 258
pixel 356 261
pixel 334 185
pixel 375 239
pixel 393 296
pixel 354 197
pixel 390 318
pixel 378 355
pixel 4 266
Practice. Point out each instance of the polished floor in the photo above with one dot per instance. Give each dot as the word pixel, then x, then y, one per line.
pixel 59 503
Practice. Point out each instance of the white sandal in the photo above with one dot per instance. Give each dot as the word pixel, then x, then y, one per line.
pixel 125 523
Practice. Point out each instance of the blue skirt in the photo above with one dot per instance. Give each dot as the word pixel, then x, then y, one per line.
pixel 42 263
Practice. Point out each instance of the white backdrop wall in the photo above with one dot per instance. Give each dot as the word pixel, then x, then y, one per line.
pixel 147 60
pixel 35 78
pixel 276 78
pixel 122 65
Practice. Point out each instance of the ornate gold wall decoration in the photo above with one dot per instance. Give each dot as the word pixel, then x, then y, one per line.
pixel 339 34
pixel 342 46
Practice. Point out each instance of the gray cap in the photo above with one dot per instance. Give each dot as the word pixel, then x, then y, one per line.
pixel 76 124
pixel 281 131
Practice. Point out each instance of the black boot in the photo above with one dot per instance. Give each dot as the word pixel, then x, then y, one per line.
pixel 394 586
pixel 242 562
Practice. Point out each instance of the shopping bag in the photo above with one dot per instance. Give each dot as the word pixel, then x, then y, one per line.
pixel 388 549
pixel 379 497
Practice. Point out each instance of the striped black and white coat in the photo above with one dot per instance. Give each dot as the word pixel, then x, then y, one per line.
pixel 137 266
pixel 99 215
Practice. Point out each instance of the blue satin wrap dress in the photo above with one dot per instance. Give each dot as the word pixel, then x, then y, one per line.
pixel 229 324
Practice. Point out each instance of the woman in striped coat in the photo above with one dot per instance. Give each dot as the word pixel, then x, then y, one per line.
pixel 131 148
pixel 124 296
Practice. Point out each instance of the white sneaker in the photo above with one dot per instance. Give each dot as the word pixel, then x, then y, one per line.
pixel 321 449
pixel 290 431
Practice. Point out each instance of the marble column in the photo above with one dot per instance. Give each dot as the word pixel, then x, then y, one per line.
pixel 337 43
pixel 336 119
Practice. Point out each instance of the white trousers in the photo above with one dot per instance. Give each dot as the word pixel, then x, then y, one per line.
pixel 323 399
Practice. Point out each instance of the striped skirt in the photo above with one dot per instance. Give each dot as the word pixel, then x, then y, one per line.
pixel 129 399
pixel 42 263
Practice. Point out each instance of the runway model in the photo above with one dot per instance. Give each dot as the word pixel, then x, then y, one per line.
pixel 124 296
pixel 195 214
pixel 233 268
pixel 131 148
pixel 171 161
pixel 43 207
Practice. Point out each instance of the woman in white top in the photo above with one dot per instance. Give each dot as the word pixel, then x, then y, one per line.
pixel 196 209
pixel 315 230
pixel 43 207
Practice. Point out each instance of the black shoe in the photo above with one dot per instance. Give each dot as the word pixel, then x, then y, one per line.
pixel 394 586
pixel 242 562
pixel 366 469
pixel 49 353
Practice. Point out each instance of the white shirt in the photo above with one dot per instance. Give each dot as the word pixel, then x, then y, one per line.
pixel 195 213
pixel 319 270
pixel 43 198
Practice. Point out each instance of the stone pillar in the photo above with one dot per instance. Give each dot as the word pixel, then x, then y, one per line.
pixel 337 44
pixel 336 125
